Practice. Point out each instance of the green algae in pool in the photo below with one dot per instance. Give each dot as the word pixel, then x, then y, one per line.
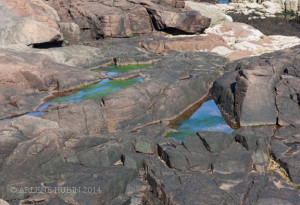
pixel 116 69
pixel 207 118
pixel 98 90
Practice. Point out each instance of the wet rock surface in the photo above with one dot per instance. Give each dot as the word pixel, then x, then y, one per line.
pixel 113 149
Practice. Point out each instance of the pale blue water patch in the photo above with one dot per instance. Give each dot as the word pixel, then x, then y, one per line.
pixel 112 73
pixel 207 118
pixel 35 114
pixel 44 106
pixel 222 1
pixel 6 119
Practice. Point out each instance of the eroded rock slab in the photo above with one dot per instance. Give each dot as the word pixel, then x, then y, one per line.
pixel 285 148
pixel 258 92
pixel 175 21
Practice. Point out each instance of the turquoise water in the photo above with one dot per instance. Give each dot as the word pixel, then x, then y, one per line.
pixel 222 1
pixel 207 118
pixel 98 90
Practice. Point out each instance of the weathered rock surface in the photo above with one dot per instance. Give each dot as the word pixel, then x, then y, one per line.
pixel 247 41
pixel 28 22
pixel 285 148
pixel 176 187
pixel 262 8
pixel 233 40
pixel 70 32
pixel 111 150
pixel 24 125
pixel 258 92
pixel 100 19
pixel 257 141
pixel 61 158
pixel 162 95
pixel 176 21
pixel 24 83
pixel 207 43
pixel 55 157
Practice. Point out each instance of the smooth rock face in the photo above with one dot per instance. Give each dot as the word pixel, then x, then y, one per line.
pixel 255 98
pixel 210 11
pixel 28 22
pixel 40 125
pixel 206 43
pixel 179 21
pixel 2 202
pixel 71 33
pixel 259 91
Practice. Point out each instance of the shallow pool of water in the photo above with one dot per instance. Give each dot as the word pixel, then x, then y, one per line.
pixel 207 118
pixel 98 90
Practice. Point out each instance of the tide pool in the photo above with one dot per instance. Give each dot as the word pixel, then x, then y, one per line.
pixel 207 118
pixel 98 90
